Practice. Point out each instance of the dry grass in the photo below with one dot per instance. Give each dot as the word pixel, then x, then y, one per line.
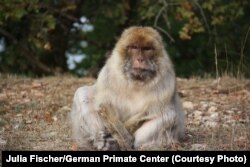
pixel 34 113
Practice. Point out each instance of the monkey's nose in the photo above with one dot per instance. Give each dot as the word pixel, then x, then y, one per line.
pixel 140 59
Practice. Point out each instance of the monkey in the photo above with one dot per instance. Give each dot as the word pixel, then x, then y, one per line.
pixel 139 82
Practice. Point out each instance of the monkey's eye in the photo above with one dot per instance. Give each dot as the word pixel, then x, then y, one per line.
pixel 133 47
pixel 147 48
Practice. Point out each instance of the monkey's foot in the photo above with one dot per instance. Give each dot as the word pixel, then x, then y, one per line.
pixel 105 142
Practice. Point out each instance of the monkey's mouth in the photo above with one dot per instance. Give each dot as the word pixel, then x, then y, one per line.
pixel 142 74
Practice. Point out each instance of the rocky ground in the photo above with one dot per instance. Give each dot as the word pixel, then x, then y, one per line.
pixel 34 113
pixel 218 113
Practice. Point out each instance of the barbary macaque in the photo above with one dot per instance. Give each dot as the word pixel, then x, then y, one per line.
pixel 138 82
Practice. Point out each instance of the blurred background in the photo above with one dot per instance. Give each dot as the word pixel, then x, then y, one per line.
pixel 49 37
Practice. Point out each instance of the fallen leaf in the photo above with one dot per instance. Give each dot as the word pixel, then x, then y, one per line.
pixel 75 147
pixel 48 117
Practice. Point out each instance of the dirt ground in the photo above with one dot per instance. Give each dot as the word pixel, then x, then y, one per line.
pixel 34 113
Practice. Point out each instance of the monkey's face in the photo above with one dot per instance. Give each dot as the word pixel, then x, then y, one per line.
pixel 139 62
pixel 140 54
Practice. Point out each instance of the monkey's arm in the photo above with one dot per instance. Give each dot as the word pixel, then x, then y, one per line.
pixel 116 127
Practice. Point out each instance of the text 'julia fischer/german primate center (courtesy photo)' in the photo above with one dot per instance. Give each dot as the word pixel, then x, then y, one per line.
pixel 163 82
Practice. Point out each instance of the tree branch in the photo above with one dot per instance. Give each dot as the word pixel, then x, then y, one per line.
pixel 157 18
pixel 34 62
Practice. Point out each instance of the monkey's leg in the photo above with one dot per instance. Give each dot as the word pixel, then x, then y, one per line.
pixel 157 131
pixel 88 128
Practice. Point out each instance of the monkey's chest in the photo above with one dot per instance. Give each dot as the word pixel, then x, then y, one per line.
pixel 131 105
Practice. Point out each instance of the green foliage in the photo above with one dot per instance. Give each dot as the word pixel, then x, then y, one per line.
pixel 30 32
pixel 38 33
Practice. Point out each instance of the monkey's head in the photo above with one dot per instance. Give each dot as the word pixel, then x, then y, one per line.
pixel 140 52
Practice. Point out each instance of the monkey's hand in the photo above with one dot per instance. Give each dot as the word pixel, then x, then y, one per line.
pixel 116 128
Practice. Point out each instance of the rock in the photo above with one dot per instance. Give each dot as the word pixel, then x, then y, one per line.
pixel 48 135
pixel 3 97
pixel 225 125
pixel 211 124
pixel 196 122
pixel 197 113
pixel 183 93
pixel 241 138
pixel 65 109
pixel 214 116
pixel 198 147
pixel 2 142
pixel 231 122
pixel 205 118
pixel 28 121
pixel 212 109
pixel 19 115
pixel 230 112
pixel 16 126
pixel 188 105
pixel 226 117
pixel 54 118
pixel 203 105
pixel 239 112
pixel 212 103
